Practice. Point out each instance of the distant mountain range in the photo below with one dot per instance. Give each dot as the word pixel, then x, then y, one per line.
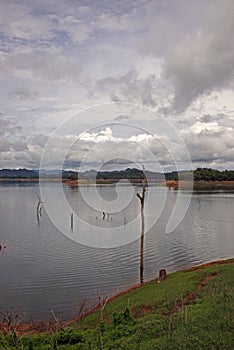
pixel 88 175
pixel 129 173
pixel 30 174
pixel 19 174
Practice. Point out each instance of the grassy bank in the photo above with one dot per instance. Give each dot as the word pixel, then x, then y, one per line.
pixel 191 309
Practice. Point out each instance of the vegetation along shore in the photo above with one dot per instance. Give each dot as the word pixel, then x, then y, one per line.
pixel 190 309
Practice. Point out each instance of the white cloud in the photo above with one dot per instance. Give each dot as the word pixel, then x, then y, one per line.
pixel 102 136
pixel 140 138
pixel 198 127
pixel 107 135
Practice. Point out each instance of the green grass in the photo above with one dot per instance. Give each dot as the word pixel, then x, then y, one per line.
pixel 146 318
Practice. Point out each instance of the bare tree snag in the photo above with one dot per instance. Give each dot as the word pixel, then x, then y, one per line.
pixel 11 320
pixel 142 201
pixel 103 301
pixel 57 325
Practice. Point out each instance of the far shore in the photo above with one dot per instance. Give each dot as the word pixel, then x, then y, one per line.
pixel 38 327
pixel 171 184
pixel 168 183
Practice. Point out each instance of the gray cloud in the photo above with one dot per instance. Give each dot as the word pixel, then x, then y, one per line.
pixel 122 118
pixel 4 126
pixel 23 93
pixel 56 67
pixel 129 88
pixel 118 161
pixel 196 43
pixel 5 145
pixel 204 60
pixel 8 127
pixel 211 143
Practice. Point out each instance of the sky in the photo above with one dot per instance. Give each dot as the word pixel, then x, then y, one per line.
pixel 117 83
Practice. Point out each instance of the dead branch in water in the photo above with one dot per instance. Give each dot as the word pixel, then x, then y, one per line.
pixel 39 207
pixel 57 325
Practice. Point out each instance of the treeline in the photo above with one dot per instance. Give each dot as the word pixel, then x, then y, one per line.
pixel 129 174
pixel 208 174
pixel 200 174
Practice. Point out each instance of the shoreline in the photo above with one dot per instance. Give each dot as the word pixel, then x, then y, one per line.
pixel 39 327
pixel 168 183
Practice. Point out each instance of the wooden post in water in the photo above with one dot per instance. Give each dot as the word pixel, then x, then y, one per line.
pixel 72 221
pixel 39 208
pixel 142 201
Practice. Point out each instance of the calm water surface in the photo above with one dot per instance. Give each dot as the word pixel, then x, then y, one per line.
pixel 42 270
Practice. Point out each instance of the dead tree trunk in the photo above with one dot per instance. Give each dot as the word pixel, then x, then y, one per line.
pixel 142 201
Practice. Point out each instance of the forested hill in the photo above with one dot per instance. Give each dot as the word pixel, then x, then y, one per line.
pixel 200 174
pixel 207 174
pixel 31 174
pixel 19 174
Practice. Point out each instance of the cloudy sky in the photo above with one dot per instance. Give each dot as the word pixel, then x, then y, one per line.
pixel 161 62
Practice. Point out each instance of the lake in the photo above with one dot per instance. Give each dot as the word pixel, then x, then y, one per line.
pixel 42 269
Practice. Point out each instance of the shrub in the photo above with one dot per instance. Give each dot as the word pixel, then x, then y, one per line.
pixel 69 337
pixel 122 317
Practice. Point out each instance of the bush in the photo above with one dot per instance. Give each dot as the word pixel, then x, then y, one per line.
pixel 122 317
pixel 69 337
